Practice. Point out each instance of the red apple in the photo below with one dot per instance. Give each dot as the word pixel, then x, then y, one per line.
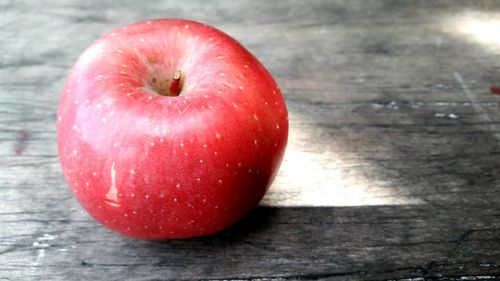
pixel 170 129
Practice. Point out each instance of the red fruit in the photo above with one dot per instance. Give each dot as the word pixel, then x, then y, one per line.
pixel 170 129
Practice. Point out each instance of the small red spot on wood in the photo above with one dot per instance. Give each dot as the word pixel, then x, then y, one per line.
pixel 495 90
pixel 21 142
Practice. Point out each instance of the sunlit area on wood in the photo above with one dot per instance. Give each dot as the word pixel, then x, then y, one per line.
pixel 481 29
pixel 308 178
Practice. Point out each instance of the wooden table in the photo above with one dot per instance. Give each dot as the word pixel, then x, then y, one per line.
pixel 392 169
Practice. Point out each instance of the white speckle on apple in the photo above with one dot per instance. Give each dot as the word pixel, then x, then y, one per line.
pixel 227 164
pixel 211 39
pixel 186 154
pixel 161 140
pixel 125 215
pixel 132 195
pixel 113 34
pixel 255 117
pixel 122 72
pixel 160 227
pixel 94 174
pixel 249 171
pixel 205 96
pixel 186 26
pixel 256 142
pixel 217 135
pixel 235 105
pixel 216 206
pixel 265 103
pixel 220 180
pixel 104 119
pixel 175 199
pixel 59 118
pixel 245 66
pixel 128 94
pixel 227 85
pixel 240 87
pixel 87 183
pixel 215 152
pixel 275 103
pixel 75 102
pixel 201 161
pixel 113 220
pixel 145 226
pixel 75 152
pixel 178 186
pixel 134 212
pixel 219 57
pixel 132 171
pixel 119 51
pixel 204 145
pixel 198 179
pixel 203 107
pixel 181 144
pixel 222 74
pixel 148 22
pixel 141 39
pixel 128 228
pixel 239 164
pixel 115 144
pixel 76 183
pixel 209 106
pixel 146 196
pixel 68 91
pixel 275 144
pixel 162 195
pixel 152 144
pixel 87 101
pixel 98 105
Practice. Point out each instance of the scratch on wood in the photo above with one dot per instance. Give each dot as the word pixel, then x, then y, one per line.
pixel 477 106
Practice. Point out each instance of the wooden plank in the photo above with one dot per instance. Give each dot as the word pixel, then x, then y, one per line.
pixel 391 172
pixel 375 242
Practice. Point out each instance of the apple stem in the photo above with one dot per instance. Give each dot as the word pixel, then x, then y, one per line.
pixel 175 86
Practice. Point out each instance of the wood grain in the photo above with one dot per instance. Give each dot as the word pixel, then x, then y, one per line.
pixel 392 170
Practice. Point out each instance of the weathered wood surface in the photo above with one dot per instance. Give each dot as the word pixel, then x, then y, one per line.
pixel 393 166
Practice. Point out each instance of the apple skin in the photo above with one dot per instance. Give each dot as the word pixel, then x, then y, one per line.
pixel 152 166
